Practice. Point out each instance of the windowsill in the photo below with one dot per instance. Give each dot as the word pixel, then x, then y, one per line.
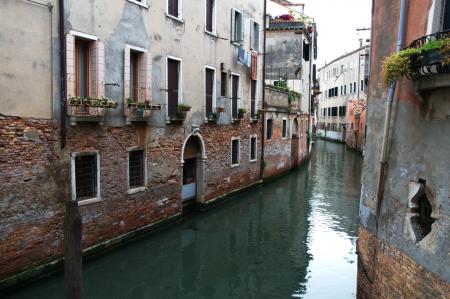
pixel 174 18
pixel 254 51
pixel 235 165
pixel 237 44
pixel 90 201
pixel 212 34
pixel 136 190
pixel 253 161
pixel 143 4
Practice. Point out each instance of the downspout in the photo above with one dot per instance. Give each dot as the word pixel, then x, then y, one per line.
pixel 387 120
pixel 311 60
pixel 263 126
pixel 63 71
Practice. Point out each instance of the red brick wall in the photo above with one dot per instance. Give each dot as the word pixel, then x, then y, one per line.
pixel 35 179
pixel 386 272
pixel 359 125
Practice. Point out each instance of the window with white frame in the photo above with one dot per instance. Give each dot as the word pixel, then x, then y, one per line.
pixel 137 74
pixel 210 90
pixel 284 128
pixel 85 176
pixel 210 16
pixel 136 168
pixel 253 148
pixel 237 27
pixel 235 152
pixel 174 8
pixel 174 85
pixel 254 36
pixel 140 2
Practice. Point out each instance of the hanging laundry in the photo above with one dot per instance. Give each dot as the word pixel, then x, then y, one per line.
pixel 254 66
pixel 248 59
pixel 241 56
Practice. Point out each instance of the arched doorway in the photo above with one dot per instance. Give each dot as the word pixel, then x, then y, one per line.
pixel 295 144
pixel 192 164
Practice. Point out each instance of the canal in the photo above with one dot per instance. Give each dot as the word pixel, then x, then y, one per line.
pixel 294 237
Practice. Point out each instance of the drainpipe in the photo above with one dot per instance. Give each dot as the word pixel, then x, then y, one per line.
pixel 311 60
pixel 263 126
pixel 387 119
pixel 63 71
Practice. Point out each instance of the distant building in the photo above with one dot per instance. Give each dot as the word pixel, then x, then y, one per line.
pixel 342 80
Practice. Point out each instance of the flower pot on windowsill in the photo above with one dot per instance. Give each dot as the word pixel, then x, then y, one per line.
pixel 220 109
pixel 213 117
pixel 179 116
pixel 183 108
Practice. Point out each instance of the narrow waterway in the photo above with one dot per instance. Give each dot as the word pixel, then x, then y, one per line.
pixel 294 237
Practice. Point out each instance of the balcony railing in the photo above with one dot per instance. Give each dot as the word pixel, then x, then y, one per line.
pixel 434 56
pixel 88 110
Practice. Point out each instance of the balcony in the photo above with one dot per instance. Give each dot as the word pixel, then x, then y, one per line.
pixel 139 111
pixel 426 61
pixel 88 109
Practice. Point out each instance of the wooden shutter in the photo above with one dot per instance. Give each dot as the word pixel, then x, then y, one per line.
pixel 173 77
pixel 235 96
pixel 256 38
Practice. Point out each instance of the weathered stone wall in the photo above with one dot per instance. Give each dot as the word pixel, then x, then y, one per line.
pixel 356 127
pixel 417 153
pixel 386 272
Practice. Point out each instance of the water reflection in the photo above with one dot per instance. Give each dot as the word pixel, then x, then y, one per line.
pixel 294 237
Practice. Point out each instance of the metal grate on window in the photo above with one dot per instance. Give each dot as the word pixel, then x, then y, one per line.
pixel 136 168
pixel 86 176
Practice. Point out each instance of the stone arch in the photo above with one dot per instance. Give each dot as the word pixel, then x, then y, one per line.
pixel 193 160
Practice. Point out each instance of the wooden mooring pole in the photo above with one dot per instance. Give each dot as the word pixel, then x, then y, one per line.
pixel 72 251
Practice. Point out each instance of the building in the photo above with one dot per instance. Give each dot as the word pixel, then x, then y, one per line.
pixel 341 80
pixel 356 124
pixel 291 48
pixel 404 238
pixel 132 109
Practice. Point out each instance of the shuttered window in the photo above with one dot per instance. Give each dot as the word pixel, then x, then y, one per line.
pixel 252 148
pixel 284 131
pixel 237 27
pixel 134 75
pixel 235 95
pixel 174 8
pixel 254 36
pixel 210 15
pixel 223 84
pixel 209 90
pixel 81 68
pixel 269 129
pixel 173 85
pixel 253 98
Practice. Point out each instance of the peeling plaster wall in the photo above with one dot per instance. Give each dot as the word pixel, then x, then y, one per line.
pixel 419 146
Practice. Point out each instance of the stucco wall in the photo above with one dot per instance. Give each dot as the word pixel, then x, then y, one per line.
pixel 417 146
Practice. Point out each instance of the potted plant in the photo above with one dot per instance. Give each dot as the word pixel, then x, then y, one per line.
pixel 131 103
pixel 241 112
pixel 213 116
pixel 221 109
pixel 400 64
pixel 183 108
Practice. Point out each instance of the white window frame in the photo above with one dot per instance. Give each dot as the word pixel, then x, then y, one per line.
pixel 256 148
pixel 180 81
pixel 214 21
pixel 73 178
pixel 214 99
pixel 239 92
pixel 180 11
pixel 239 152
pixel 128 49
pixel 142 3
pixel 252 22
pixel 233 28
pixel 282 122
pixel 83 35
pixel 144 187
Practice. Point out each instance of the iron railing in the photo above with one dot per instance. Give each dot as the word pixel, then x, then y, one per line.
pixel 429 62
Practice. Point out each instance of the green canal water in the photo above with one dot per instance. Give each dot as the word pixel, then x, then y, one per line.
pixel 292 238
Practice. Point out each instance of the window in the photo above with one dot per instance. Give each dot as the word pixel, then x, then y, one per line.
pixel 334 111
pixel 362 85
pixel 237 27
pixel 235 95
pixel 253 148
pixel 210 16
pixel 253 98
pixel 269 129
pixel 329 111
pixel 284 129
pixel 210 79
pixel 342 90
pixel 446 23
pixel 345 89
pixel 134 75
pixel 137 74
pixel 81 68
pixel 254 36
pixel 306 50
pixel 354 87
pixel 136 169
pixel 140 2
pixel 173 85
pixel 235 152
pixel 174 8
pixel 86 177
pixel 223 84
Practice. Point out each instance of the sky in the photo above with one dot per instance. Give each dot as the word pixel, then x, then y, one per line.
pixel 337 21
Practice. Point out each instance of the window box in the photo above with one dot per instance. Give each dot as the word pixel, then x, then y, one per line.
pixel 179 116
pixel 88 110
pixel 139 111
pixel 183 108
